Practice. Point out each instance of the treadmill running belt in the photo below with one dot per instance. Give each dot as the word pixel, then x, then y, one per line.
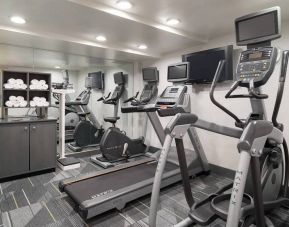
pixel 88 189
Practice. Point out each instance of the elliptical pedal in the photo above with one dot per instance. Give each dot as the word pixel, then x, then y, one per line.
pixel 202 213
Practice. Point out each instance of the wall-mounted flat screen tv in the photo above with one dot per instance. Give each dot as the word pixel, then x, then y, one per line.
pixel 203 64
pixel 95 80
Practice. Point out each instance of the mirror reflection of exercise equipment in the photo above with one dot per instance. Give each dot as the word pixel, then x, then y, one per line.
pixel 88 131
pixel 116 146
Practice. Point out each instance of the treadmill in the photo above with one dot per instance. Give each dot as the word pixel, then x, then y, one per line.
pixel 114 187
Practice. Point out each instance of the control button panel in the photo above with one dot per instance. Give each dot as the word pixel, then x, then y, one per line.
pixel 256 64
pixel 171 96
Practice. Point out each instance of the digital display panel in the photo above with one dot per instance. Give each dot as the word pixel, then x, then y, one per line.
pixel 255 55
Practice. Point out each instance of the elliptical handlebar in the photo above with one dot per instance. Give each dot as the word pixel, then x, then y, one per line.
pixel 252 92
pixel 282 79
pixel 220 67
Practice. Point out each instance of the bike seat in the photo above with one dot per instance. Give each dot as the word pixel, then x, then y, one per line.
pixel 112 120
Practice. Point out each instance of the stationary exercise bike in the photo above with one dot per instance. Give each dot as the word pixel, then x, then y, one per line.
pixel 88 131
pixel 115 145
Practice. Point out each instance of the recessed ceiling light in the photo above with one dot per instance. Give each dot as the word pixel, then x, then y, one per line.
pixel 123 4
pixel 57 67
pixel 101 38
pixel 18 20
pixel 173 21
pixel 142 47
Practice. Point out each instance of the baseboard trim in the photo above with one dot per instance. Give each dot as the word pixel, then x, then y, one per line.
pixel 222 171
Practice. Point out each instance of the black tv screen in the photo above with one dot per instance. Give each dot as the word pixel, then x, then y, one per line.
pixel 95 80
pixel 203 64
pixel 150 74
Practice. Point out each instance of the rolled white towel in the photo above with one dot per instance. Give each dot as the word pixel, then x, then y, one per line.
pixel 32 87
pixel 42 82
pixel 9 103
pixel 32 104
pixel 12 98
pixel 20 98
pixel 17 86
pixel 23 103
pixel 34 82
pixel 36 99
pixel 16 104
pixel 45 86
pixel 11 81
pixel 8 86
pixel 46 104
pixel 42 99
pixel 23 86
pixel 19 81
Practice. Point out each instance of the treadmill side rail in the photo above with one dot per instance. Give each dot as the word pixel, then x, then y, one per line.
pixel 64 183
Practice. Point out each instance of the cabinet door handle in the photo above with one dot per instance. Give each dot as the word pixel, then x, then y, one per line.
pixel 34 127
pixel 25 128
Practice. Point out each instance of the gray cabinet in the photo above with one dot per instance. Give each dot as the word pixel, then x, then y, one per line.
pixel 42 146
pixel 27 146
pixel 14 149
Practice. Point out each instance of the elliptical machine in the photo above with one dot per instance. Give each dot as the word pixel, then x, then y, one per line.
pixel 88 131
pixel 261 180
pixel 115 145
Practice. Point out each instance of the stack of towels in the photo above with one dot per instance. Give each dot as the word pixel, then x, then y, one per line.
pixel 38 85
pixel 16 101
pixel 15 84
pixel 39 102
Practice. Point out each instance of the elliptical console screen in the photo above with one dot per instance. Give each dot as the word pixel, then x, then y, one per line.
pixel 258 27
pixel 256 55
pixel 178 72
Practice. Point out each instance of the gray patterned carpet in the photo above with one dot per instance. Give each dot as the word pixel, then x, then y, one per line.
pixel 36 201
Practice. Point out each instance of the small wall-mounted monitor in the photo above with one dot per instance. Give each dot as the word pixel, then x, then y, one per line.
pixel 258 27
pixel 119 78
pixel 150 74
pixel 95 80
pixel 178 72
pixel 203 64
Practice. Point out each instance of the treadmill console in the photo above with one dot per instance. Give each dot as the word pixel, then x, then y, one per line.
pixel 256 65
pixel 172 96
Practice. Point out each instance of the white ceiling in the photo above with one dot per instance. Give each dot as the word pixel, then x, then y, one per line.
pixel 70 26
pixel 203 18
pixel 25 57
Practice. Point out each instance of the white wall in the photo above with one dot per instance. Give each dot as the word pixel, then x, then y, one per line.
pixel 220 150
pixel 101 110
